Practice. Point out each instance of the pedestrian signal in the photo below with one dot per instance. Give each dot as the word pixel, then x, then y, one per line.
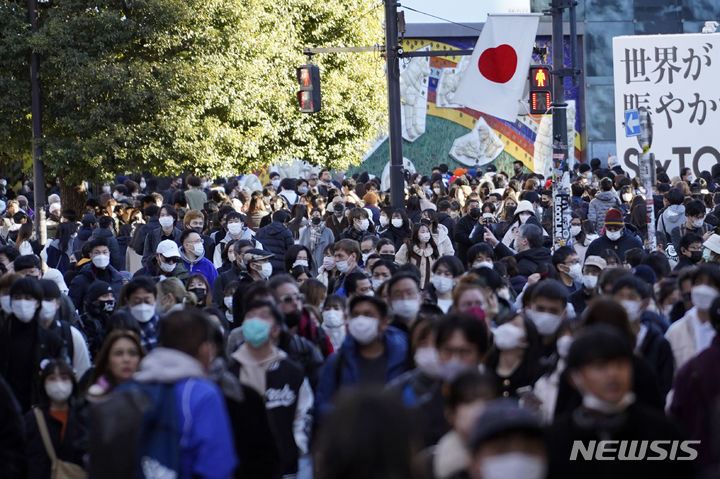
pixel 309 95
pixel 540 89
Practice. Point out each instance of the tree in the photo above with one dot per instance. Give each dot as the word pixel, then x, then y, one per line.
pixel 207 86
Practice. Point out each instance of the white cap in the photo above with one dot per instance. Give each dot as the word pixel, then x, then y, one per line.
pixel 713 243
pixel 168 249
pixel 524 207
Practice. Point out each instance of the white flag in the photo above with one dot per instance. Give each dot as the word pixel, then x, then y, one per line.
pixel 494 81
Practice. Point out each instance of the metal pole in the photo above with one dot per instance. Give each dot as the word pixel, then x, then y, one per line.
pixel 36 111
pixel 397 182
pixel 561 173
pixel 646 174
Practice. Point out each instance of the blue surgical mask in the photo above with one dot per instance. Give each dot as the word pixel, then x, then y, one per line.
pixel 256 331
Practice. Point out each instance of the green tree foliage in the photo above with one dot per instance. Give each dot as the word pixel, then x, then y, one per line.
pixel 189 85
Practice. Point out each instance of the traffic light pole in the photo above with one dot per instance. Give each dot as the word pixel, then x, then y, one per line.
pixel 397 182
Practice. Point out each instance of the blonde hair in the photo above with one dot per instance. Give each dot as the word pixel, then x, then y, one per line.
pixel 176 289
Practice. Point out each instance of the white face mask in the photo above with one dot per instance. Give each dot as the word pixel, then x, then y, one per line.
pixel 406 308
pixel 166 267
pixel 48 310
pixel 116 195
pixel 589 281
pixel 442 284
pixel 265 270
pixel 275 183
pixel 228 301
pixel 563 345
pixel 627 197
pixel 508 336
pixel 576 272
pixel 342 266
pixel 437 191
pixel 235 228
pixel 633 309
pixel 524 217
pixel 483 264
pixel 142 185
pixel 328 262
pixel 376 283
pixel 300 262
pixel 427 361
pixel 143 312
pixel 5 303
pixel 424 237
pixel 363 224
pixel 363 328
pixel 101 261
pixel 58 391
pixel 365 256
pixel 166 221
pixel 699 223
pixel 333 318
pixel 702 296
pixel 613 235
pixel 24 309
pixel 383 221
pixel 198 249
pixel 397 222
pixel 575 230
pixel 513 465
pixel 546 323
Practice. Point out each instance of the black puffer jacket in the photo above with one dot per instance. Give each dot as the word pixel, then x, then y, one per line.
pixel 530 260
pixel 276 238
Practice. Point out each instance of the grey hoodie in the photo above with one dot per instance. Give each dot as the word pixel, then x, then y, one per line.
pixel 165 365
pixel 671 218
pixel 599 206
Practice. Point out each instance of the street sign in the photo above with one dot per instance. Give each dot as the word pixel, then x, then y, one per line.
pixel 632 123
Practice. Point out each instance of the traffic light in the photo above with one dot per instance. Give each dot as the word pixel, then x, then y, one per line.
pixel 540 89
pixel 309 95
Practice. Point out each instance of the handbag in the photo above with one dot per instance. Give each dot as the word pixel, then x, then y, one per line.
pixel 59 469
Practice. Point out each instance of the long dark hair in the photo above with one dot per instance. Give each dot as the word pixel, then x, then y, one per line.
pixel 65 232
pixel 413 239
pixel 103 358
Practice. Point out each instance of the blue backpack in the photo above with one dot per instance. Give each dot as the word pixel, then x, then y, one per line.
pixel 139 417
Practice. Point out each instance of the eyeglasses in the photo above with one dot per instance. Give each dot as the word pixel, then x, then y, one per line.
pixel 172 260
pixel 292 297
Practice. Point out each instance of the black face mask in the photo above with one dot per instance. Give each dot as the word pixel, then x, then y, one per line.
pixel 510 211
pixel 200 293
pixel 101 309
pixel 475 213
pixel 545 204
pixel 316 220
pixel 292 319
pixel 197 229
pixel 695 256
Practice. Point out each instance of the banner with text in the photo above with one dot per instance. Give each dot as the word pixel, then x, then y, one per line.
pixel 675 77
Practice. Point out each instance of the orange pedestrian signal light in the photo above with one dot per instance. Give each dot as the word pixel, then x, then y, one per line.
pixel 308 77
pixel 540 89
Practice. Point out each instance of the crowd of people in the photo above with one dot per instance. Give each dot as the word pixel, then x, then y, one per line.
pixel 190 327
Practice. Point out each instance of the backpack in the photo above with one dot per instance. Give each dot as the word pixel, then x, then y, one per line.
pixel 139 417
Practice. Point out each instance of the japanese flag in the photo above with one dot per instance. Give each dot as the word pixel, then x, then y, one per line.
pixel 494 81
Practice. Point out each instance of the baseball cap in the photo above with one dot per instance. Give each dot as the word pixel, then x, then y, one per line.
pixel 168 249
pixel 255 254
pixel 596 261
pixel 502 416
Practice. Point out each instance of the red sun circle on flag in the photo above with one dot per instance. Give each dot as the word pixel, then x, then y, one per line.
pixel 498 64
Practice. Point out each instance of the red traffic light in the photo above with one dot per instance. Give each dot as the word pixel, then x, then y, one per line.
pixel 540 89
pixel 308 77
pixel 540 78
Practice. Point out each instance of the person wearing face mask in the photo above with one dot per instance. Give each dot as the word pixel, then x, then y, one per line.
pixel 468 229
pixel 99 268
pixel 604 200
pixel 316 238
pixel 166 231
pixel 693 333
pixel 55 427
pixel 236 230
pixel 694 223
pixel 24 343
pixel 445 274
pixel 373 354
pixel 591 269
pixel 334 322
pixel 616 237
pixel 346 256
pixel 634 295
pixel 547 310
pixel 399 227
pixel 140 297
pixel 567 263
pixel 167 263
pixel 195 220
pixel 359 220
pixel 99 306
pixel 690 249
pixel 276 238
pixel 600 365
pixel 420 250
pixel 54 319
pixel 105 230
pixel 266 368
pixel 405 297
pixel 507 441
pixel 250 265
pixel 523 213
pixel 192 255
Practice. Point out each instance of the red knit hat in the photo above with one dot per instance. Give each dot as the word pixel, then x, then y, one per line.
pixel 614 217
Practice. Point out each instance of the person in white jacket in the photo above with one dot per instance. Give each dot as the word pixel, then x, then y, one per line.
pixel 439 232
pixel 692 333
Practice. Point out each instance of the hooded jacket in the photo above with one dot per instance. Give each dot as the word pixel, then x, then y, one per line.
pixel 334 376
pixel 672 217
pixel 276 238
pixel 200 265
pixel 207 446
pixel 599 206
pixel 89 273
pixel 117 258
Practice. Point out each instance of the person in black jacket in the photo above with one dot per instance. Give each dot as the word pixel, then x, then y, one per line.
pixel 151 217
pixel 12 436
pixel 104 230
pixel 531 252
pixel 24 344
pixel 167 230
pixel 276 239
pixel 98 269
pixel 399 228
pixel 466 226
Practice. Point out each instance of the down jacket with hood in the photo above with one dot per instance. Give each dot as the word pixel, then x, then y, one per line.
pixel 276 238
pixel 599 206
pixel 672 217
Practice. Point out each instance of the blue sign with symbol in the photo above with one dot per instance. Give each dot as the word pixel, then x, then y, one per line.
pixel 632 123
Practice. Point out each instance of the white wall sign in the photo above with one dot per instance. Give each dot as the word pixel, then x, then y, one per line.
pixel 675 77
